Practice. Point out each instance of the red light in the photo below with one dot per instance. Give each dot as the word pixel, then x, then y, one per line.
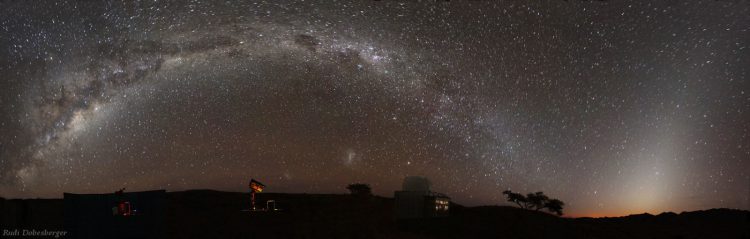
pixel 124 209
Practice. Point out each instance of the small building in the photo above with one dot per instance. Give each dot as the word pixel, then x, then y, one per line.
pixel 415 200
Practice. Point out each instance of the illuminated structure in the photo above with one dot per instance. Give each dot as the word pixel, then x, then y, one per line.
pixel 123 207
pixel 417 201
pixel 255 187
pixel 271 205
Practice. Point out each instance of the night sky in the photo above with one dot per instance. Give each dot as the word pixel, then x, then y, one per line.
pixel 613 107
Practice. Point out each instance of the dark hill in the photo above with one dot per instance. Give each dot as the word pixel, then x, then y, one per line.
pixel 213 214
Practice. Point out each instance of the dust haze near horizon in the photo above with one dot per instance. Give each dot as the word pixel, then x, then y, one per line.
pixel 615 108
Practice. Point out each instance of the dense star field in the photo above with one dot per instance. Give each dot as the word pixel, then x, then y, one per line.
pixel 613 107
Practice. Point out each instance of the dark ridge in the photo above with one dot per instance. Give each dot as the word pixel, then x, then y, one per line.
pixel 216 214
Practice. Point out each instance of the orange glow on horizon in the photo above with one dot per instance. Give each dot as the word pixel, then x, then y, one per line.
pixel 610 214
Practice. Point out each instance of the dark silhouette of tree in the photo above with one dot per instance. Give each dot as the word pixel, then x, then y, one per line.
pixel 536 201
pixel 516 198
pixel 554 205
pixel 359 189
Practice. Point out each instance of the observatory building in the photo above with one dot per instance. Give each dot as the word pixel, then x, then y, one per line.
pixel 415 200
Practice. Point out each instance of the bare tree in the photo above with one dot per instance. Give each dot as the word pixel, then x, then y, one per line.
pixel 359 189
pixel 516 198
pixel 536 201
pixel 554 205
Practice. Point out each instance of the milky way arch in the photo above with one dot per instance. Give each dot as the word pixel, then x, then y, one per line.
pixel 618 108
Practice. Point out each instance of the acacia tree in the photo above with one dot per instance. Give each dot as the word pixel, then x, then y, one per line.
pixel 516 198
pixel 554 205
pixel 359 189
pixel 536 201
